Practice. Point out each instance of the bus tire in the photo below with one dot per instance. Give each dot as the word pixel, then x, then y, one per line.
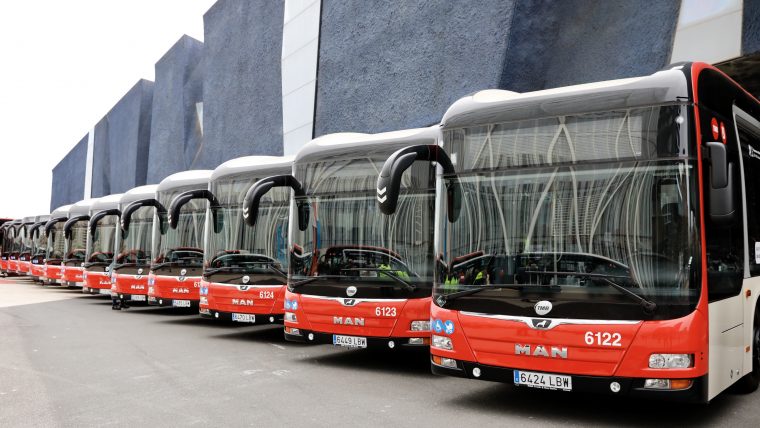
pixel 751 380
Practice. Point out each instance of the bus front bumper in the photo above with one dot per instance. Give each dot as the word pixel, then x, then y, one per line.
pixel 313 337
pixel 625 386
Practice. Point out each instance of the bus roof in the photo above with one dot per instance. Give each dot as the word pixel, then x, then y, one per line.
pixel 106 203
pixel 495 106
pixel 81 208
pixel 62 211
pixel 264 165
pixel 184 178
pixel 138 193
pixel 351 144
pixel 29 219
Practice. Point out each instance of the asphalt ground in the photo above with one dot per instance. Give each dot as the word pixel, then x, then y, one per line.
pixel 67 359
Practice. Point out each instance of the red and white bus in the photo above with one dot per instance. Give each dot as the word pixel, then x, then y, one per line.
pixel 175 273
pixel 39 247
pixel 357 278
pixel 600 237
pixel 245 269
pixel 56 243
pixel 14 245
pixel 6 243
pixel 101 239
pixel 75 247
pixel 133 245
pixel 25 251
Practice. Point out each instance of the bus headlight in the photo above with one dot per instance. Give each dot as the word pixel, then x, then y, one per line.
pixel 421 325
pixel 670 361
pixel 442 342
pixel 290 317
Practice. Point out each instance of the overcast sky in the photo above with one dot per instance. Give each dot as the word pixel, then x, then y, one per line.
pixel 63 65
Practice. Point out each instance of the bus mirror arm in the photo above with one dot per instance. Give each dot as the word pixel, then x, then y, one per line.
pixel 126 215
pixel 260 188
pixel 70 223
pixel 183 198
pixel 389 180
pixel 99 216
pixel 52 222
pixel 722 206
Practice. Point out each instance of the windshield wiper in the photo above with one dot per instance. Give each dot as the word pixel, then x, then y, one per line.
pixel 245 269
pixel 294 285
pixel 442 299
pixel 387 272
pixel 646 304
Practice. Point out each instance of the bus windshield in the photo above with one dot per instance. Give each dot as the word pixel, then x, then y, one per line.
pixel 588 212
pixel 182 246
pixel 77 242
pixel 56 243
pixel 348 240
pixel 135 245
pixel 236 249
pixel 100 247
pixel 40 242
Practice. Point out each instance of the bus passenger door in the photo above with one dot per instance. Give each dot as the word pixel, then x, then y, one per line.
pixel 748 132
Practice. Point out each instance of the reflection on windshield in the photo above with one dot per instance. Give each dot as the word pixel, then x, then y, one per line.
pixel 77 242
pixel 135 245
pixel 183 245
pixel 100 247
pixel 630 219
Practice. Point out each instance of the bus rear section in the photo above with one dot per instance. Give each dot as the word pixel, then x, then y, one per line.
pixel 358 278
pixel 606 251
pixel 245 268
pixel 39 248
pixel 101 239
pixel 75 244
pixel 134 244
pixel 177 266
pixel 56 245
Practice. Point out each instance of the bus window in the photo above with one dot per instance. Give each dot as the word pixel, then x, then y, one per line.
pixel 750 144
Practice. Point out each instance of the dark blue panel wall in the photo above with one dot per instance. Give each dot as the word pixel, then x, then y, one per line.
pixel 174 135
pixel 554 44
pixel 68 176
pixel 384 68
pixel 120 151
pixel 242 89
pixel 751 27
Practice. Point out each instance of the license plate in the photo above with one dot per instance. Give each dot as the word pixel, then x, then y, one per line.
pixel 105 291
pixel 137 297
pixel 543 380
pixel 244 317
pixel 349 341
pixel 181 303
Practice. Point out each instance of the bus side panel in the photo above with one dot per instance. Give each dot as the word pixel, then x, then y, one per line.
pixel 726 341
pixel 751 285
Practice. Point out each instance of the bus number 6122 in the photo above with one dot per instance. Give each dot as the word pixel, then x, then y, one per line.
pixel 602 338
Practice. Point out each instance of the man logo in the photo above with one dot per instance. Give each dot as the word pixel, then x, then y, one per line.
pixel 350 291
pixel 543 307
pixel 349 302
pixel 246 279
pixel 541 323
pixel 348 321
pixel 541 351
pixel 243 288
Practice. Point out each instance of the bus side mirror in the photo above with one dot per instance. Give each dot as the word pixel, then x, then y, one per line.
pixel 722 206
pixel 260 188
pixel 183 198
pixel 389 180
pixel 130 209
pixel 51 223
pixel 70 223
pixel 99 216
